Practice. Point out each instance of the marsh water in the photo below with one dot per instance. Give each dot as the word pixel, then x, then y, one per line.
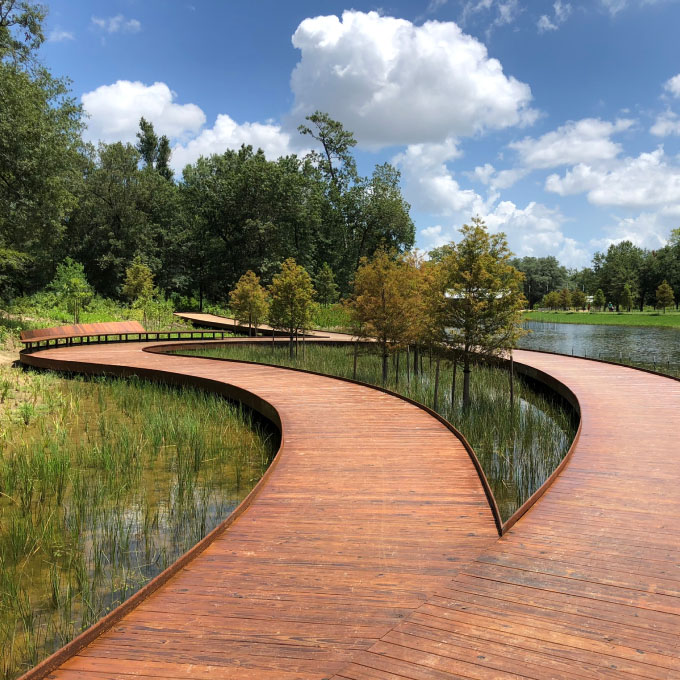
pixel 649 346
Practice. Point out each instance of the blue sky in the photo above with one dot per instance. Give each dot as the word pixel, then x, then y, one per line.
pixel 558 122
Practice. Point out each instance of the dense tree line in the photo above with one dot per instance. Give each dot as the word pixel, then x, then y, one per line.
pixel 625 276
pixel 226 214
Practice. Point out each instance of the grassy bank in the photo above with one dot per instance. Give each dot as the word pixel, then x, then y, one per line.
pixel 103 484
pixel 647 318
pixel 518 447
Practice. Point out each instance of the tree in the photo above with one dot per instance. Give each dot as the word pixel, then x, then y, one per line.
pixel 40 165
pixel 484 297
pixel 336 162
pixel 292 295
pixel 163 154
pixel 565 298
pixel 599 300
pixel 138 280
pixel 620 267
pixel 248 301
pixel 381 303
pixel 664 296
pixel 326 288
pixel 148 143
pixel 541 275
pixel 626 297
pixel 71 285
pixel 553 300
pixel 578 299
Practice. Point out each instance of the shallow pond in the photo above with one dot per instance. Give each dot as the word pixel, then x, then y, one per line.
pixel 649 347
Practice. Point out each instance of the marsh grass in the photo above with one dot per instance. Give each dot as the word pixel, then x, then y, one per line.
pixel 518 446
pixel 104 483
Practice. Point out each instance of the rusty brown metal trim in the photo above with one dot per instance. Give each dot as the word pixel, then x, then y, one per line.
pixel 88 636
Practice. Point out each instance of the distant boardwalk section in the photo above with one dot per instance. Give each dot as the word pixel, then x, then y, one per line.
pixel 53 335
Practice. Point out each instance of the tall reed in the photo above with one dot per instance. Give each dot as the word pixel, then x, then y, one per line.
pixel 106 484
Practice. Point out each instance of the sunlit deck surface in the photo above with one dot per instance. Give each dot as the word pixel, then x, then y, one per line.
pixel 225 323
pixel 587 583
pixel 371 508
pixel 370 552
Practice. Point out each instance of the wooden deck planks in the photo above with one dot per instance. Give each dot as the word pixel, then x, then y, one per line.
pixel 587 584
pixel 372 505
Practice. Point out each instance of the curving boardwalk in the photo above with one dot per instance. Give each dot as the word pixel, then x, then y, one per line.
pixel 370 508
pixel 587 583
pixel 370 552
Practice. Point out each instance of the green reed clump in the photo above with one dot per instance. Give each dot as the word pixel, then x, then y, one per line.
pixel 102 487
pixel 518 445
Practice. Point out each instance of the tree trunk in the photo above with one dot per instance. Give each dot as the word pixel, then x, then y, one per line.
pixel 466 383
pixel 436 383
pixel 396 371
pixel 408 365
pixel 453 383
pixel 290 345
pixel 415 360
pixel 356 352
pixel 385 357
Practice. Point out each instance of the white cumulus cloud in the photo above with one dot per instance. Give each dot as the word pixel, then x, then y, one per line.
pixel 114 111
pixel 392 82
pixel 585 140
pixel 647 181
pixel 117 24
pixel 228 134
pixel 58 35
pixel 667 123
pixel 646 230
pixel 672 85
pixel 561 12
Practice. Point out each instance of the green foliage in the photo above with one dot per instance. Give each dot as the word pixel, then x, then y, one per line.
pixel 578 299
pixel 70 284
pixel 599 299
pixel 565 298
pixel 664 296
pixel 541 275
pixel 21 32
pixel 292 295
pixel 326 288
pixel 626 297
pixel 248 301
pixel 484 291
pixel 138 280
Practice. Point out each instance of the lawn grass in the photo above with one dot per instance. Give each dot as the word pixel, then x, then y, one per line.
pixel 518 446
pixel 646 318
pixel 103 484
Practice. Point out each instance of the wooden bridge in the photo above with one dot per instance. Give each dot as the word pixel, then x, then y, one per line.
pixel 369 550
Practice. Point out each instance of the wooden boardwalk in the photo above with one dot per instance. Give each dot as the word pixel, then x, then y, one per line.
pixel 370 552
pixel 587 583
pixel 371 506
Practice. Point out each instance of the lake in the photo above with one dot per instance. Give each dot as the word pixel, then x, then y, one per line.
pixel 646 346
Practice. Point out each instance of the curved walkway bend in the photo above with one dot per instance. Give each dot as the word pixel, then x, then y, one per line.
pixel 370 508
pixel 587 583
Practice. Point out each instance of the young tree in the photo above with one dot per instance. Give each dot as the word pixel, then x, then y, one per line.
pixel 664 296
pixel 626 298
pixel 72 287
pixel 326 288
pixel 248 301
pixel 292 295
pixel 148 143
pixel 484 297
pixel 599 300
pixel 138 280
pixel 578 299
pixel 552 300
pixel 565 298
pixel 380 306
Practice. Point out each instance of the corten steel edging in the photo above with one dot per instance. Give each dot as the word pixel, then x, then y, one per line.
pixel 545 378
pixel 252 400
pixel 165 349
pixel 564 391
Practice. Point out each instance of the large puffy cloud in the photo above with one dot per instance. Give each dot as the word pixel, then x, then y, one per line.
pixel 392 82
pixel 114 111
pixel 227 134
pixel 648 181
pixel 646 230
pixel 584 141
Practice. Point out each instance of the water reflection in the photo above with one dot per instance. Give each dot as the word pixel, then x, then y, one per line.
pixel 646 346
